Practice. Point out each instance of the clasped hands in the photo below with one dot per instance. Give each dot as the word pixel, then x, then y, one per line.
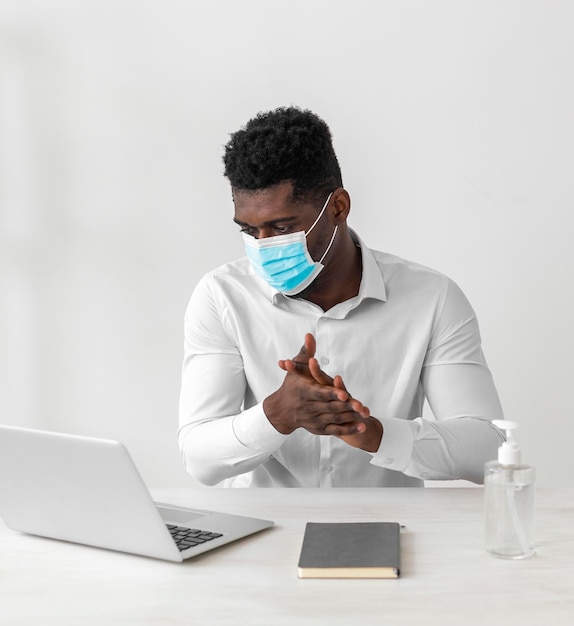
pixel 311 399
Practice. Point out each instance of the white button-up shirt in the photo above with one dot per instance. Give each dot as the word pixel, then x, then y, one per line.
pixel 410 333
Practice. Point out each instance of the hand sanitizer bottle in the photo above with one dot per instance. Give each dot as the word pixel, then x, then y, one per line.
pixel 509 501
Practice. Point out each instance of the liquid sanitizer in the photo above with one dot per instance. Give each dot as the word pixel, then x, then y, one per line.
pixel 509 501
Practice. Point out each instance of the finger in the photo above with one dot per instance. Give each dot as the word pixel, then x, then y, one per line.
pixel 307 350
pixel 310 345
pixel 356 404
pixel 294 367
pixel 338 382
pixel 299 363
pixel 346 429
pixel 323 412
pixel 359 407
pixel 337 425
pixel 318 374
pixel 330 393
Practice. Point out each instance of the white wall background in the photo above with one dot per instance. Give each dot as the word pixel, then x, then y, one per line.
pixel 453 122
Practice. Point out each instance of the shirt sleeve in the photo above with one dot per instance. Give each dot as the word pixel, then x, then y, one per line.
pixel 461 394
pixel 217 438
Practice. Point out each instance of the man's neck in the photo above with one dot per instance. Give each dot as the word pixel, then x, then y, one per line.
pixel 340 280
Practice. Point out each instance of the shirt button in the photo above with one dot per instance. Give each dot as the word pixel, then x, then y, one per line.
pixel 329 468
pixel 389 461
pixel 324 360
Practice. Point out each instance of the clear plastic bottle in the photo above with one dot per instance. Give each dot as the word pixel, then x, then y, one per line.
pixel 509 501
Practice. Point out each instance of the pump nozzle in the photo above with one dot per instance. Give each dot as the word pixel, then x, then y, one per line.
pixel 509 452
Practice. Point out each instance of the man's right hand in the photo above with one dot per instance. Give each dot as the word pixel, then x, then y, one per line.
pixel 310 399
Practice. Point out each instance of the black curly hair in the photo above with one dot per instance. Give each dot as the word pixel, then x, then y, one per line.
pixel 286 144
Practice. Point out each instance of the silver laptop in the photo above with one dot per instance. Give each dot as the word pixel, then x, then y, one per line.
pixel 89 491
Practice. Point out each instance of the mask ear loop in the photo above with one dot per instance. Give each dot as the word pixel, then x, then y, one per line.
pixel 330 244
pixel 315 222
pixel 320 214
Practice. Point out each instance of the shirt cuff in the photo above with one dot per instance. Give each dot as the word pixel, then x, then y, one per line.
pixel 396 449
pixel 255 431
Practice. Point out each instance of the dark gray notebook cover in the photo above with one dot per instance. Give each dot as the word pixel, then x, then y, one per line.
pixel 354 549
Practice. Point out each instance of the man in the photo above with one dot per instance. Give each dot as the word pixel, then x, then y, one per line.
pixel 378 335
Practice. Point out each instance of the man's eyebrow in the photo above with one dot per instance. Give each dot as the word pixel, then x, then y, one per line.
pixel 279 220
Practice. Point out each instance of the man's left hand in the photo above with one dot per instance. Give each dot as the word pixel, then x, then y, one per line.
pixel 368 440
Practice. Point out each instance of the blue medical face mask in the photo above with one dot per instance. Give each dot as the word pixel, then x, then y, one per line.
pixel 284 261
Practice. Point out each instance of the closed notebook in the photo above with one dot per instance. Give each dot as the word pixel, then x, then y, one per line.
pixel 350 550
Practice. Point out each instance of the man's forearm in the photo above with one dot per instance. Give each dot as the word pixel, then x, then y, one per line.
pixel 464 401
pixel 223 447
pixel 451 449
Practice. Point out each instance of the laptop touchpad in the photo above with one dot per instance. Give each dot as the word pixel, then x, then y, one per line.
pixel 179 516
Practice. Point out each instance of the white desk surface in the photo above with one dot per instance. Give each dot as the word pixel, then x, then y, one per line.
pixel 446 579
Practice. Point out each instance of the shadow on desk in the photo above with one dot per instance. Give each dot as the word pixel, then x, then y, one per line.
pixel 450 483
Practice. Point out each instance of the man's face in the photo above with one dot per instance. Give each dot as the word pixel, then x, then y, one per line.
pixel 271 212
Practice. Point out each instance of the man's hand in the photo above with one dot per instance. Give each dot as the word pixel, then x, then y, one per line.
pixel 309 398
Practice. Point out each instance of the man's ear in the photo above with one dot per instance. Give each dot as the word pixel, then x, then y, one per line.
pixel 341 205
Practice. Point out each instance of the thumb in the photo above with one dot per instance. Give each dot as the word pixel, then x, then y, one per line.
pixel 307 350
pixel 300 363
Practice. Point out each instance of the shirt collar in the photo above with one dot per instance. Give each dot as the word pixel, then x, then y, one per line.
pixel 372 283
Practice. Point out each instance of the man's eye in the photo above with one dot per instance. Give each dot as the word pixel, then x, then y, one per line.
pixel 248 231
pixel 282 229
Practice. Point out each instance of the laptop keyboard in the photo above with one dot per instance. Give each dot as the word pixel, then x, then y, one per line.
pixel 190 537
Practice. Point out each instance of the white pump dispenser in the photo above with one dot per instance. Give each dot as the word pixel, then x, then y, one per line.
pixel 509 500
pixel 509 452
